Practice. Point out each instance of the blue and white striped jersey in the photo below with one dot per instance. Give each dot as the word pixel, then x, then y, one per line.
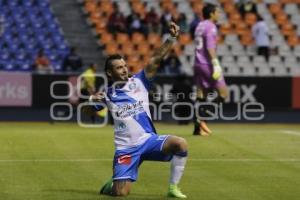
pixel 129 106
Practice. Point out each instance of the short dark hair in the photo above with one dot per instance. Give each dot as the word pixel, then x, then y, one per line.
pixel 109 59
pixel 208 9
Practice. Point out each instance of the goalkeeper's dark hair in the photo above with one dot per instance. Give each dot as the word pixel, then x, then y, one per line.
pixel 208 9
pixel 110 59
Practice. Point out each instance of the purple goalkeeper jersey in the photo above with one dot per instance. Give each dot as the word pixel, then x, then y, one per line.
pixel 205 38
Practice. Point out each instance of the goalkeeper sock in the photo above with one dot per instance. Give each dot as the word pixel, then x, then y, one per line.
pixel 199 112
pixel 177 167
pixel 219 100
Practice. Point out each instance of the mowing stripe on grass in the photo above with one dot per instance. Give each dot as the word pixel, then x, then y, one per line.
pixel 192 159
pixel 290 132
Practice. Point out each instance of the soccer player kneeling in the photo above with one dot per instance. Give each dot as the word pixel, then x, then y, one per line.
pixel 136 139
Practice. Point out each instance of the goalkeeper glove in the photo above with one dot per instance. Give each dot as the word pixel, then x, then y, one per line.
pixel 217 70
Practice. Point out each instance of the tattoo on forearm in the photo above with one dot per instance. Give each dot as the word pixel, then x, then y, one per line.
pixel 163 50
pixel 158 55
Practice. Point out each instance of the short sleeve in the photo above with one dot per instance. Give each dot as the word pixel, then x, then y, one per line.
pixel 210 36
pixel 142 76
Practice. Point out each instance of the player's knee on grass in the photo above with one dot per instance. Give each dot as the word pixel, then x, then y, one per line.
pixel 121 188
pixel 182 145
pixel 176 144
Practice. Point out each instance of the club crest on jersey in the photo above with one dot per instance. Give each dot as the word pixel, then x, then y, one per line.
pixel 133 87
pixel 125 160
pixel 121 127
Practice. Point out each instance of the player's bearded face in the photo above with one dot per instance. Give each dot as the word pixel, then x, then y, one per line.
pixel 119 71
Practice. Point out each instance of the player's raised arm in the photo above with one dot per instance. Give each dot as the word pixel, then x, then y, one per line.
pixel 161 52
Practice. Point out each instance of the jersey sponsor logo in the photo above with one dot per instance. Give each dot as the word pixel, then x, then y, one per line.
pixel 124 160
pixel 130 109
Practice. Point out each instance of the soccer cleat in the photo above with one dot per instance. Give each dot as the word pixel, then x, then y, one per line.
pixel 204 127
pixel 201 129
pixel 107 188
pixel 203 133
pixel 175 192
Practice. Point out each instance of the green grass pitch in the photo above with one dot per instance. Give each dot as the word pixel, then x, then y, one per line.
pixel 40 161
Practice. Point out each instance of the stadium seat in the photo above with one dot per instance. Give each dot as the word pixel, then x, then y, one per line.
pixel 122 38
pixel 185 39
pixel 275 8
pixel 106 38
pixel 293 40
pixel 128 49
pixel 137 38
pixel 111 48
pixel 226 29
pixel 144 49
pixel 250 19
pixel 281 18
pixel 30 27
pixel 154 39
pixel 235 37
pixel 247 69
pixel 287 29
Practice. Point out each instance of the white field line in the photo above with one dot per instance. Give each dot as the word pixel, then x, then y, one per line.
pixel 291 132
pixel 110 160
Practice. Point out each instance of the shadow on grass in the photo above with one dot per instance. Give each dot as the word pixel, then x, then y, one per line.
pixel 92 194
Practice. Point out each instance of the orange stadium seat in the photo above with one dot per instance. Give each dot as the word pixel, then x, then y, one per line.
pixel 154 39
pixel 286 1
pixel 167 4
pixel 95 17
pixel 128 49
pixel 111 48
pixel 281 19
pixel 144 49
pixel 106 6
pixel 197 6
pixel 137 38
pixel 122 38
pixel 293 40
pixel 138 7
pixel 185 39
pixel 146 59
pixel 229 7
pixel 246 39
pixel 235 18
pixel 250 19
pixel 100 27
pixel 220 39
pixel 106 38
pixel 275 8
pixel 177 49
pixel 241 29
pixel 223 1
pixel 287 29
pixel 90 6
pixel 134 64
pixel 225 29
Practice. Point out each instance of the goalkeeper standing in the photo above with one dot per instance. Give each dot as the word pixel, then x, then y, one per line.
pixel 207 70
